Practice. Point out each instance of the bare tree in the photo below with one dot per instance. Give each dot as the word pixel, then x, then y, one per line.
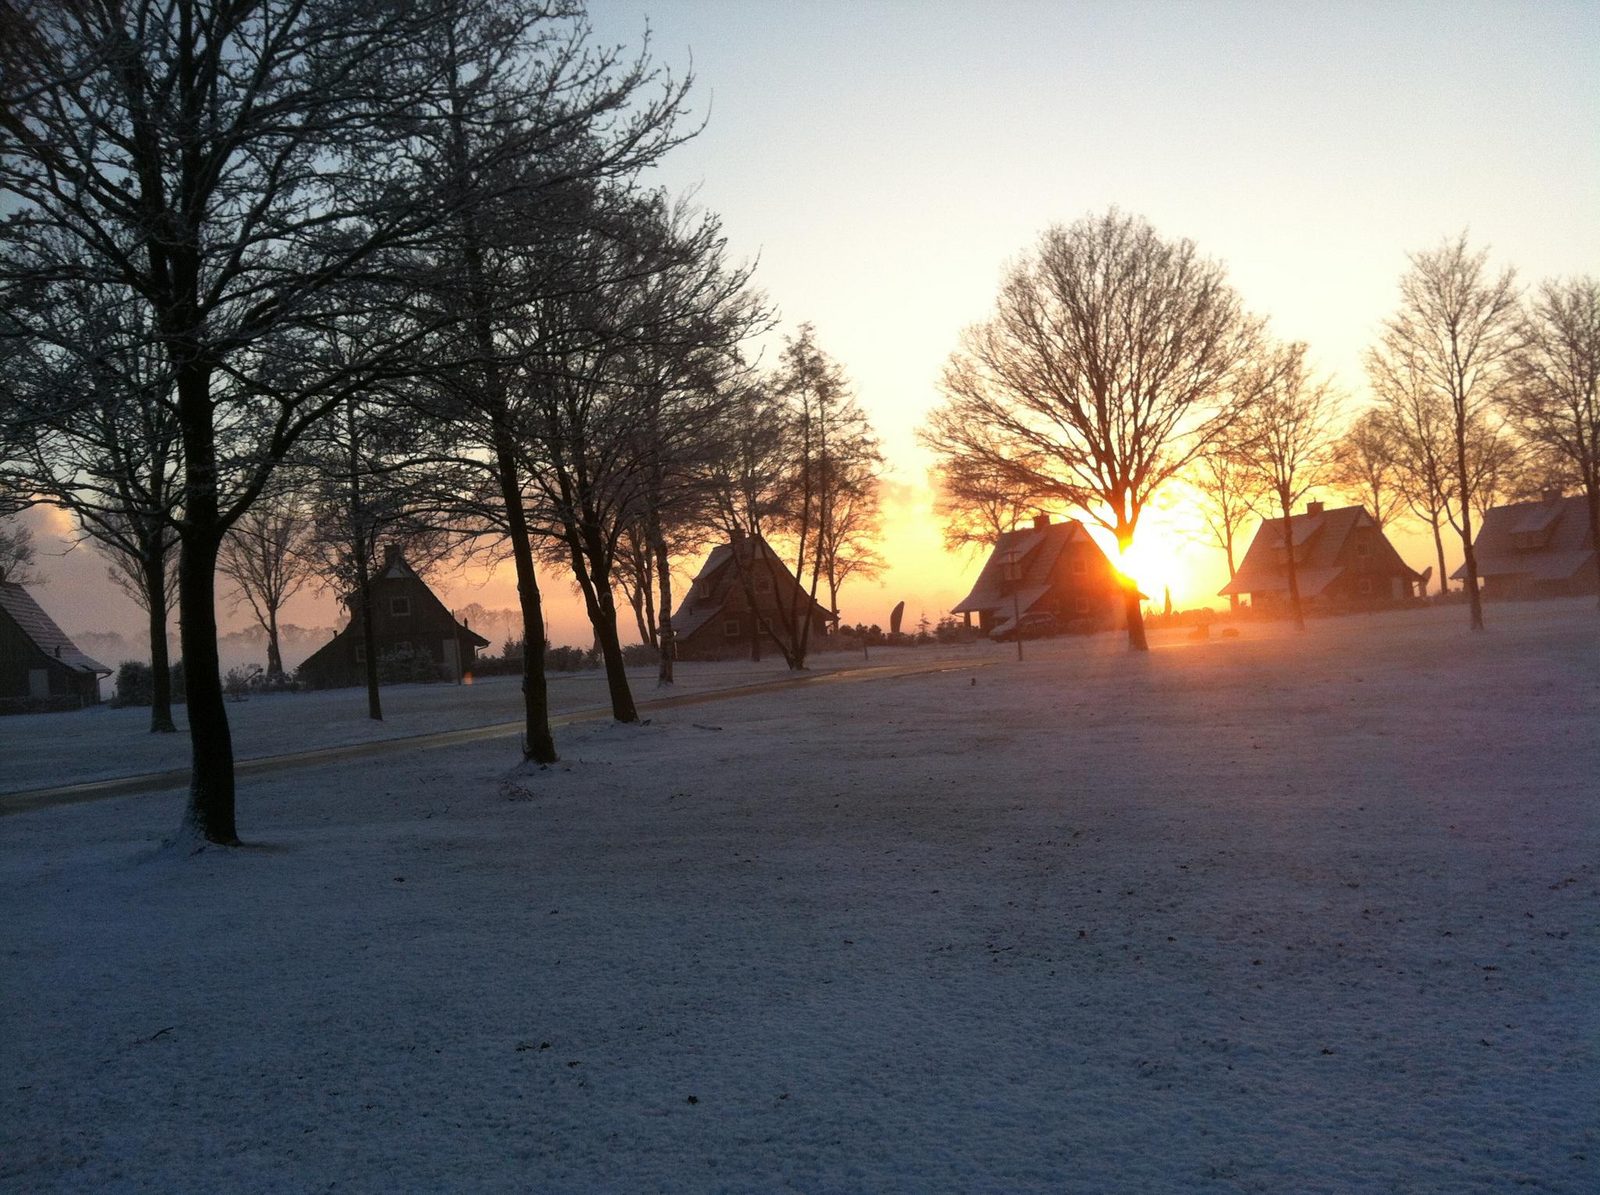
pixel 1555 398
pixel 1286 438
pixel 1363 465
pixel 17 554
pixel 236 167
pixel 1110 362
pixel 1416 422
pixel 264 556
pixel 1228 491
pixel 975 503
pixel 1453 336
pixel 95 435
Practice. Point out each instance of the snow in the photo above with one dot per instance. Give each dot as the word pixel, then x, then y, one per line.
pixel 1280 912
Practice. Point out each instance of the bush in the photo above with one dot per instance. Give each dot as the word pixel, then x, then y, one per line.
pixel 136 683
pixel 408 666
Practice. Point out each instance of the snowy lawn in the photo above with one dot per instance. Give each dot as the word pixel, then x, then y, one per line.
pixel 1278 913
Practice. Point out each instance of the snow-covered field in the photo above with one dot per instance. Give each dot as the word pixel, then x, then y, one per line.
pixel 1277 913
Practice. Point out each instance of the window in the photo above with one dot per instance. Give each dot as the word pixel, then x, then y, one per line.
pixel 763 584
pixel 400 607
pixel 730 628
pixel 1082 605
pixel 763 626
pixel 1365 586
pixel 1080 566
pixel 1364 549
pixel 361 653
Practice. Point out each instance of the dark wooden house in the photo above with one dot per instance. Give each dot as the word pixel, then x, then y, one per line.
pixel 1048 568
pixel 406 619
pixel 1343 561
pixel 1536 549
pixel 39 665
pixel 716 619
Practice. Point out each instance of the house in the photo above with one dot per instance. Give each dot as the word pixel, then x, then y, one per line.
pixel 39 665
pixel 716 618
pixel 1048 568
pixel 1536 549
pixel 1342 561
pixel 406 619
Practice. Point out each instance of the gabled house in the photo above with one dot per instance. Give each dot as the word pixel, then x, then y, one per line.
pixel 406 618
pixel 1343 561
pixel 717 619
pixel 1536 549
pixel 38 663
pixel 1053 568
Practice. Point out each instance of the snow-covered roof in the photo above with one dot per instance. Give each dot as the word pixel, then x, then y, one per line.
pixel 42 630
pixel 1546 540
pixel 1031 550
pixel 1320 538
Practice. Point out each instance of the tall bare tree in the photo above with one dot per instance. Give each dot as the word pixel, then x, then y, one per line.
pixel 1453 337
pixel 1416 421
pixel 1112 359
pixel 1363 466
pixel 96 435
pixel 17 553
pixel 1229 493
pixel 238 168
pixel 264 557
pixel 1555 398
pixel 1286 437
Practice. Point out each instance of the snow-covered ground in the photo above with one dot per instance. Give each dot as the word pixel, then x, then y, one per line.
pixel 1278 913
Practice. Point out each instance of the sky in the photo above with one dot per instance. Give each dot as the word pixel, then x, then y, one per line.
pixel 882 162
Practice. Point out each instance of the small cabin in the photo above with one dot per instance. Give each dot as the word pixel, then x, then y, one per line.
pixel 742 595
pixel 1048 568
pixel 39 666
pixel 1536 549
pixel 1342 561
pixel 407 618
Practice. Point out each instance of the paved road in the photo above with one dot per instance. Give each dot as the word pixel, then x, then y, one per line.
pixel 151 782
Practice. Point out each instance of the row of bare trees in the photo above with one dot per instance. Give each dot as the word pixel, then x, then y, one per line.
pixel 1117 362
pixel 283 279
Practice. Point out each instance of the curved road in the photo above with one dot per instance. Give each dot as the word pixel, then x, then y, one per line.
pixel 151 782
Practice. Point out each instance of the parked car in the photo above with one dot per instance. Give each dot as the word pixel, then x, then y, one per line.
pixel 1037 624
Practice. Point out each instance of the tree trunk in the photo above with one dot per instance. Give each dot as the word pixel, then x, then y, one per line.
pixel 1133 613
pixel 1233 598
pixel 210 811
pixel 1470 556
pixel 538 744
pixel 1438 548
pixel 211 782
pixel 666 640
pixel 274 653
pixel 602 611
pixel 369 638
pixel 155 590
pixel 1290 566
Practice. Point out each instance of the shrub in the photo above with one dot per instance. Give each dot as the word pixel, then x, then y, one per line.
pixel 407 666
pixel 135 683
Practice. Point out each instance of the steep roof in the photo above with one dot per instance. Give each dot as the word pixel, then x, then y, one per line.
pixel 1036 549
pixel 1319 541
pixel 42 630
pixel 697 609
pixel 1546 540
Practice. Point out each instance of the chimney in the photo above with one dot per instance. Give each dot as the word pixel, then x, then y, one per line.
pixel 1313 508
pixel 1550 494
pixel 1041 521
pixel 391 553
pixel 737 535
